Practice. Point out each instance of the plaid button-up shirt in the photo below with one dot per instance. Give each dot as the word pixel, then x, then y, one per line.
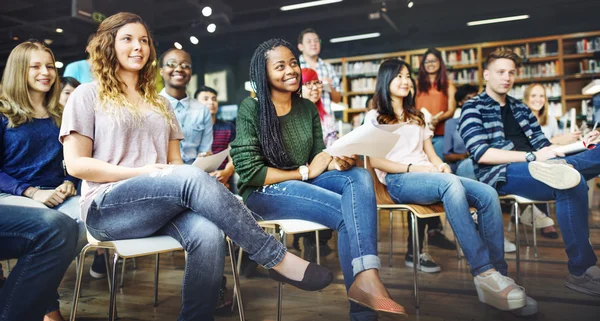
pixel 324 70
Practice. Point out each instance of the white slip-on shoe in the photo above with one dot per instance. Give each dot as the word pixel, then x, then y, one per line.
pixel 509 246
pixel 499 291
pixel 555 175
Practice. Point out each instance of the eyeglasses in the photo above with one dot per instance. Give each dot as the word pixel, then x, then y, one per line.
pixel 431 62
pixel 310 84
pixel 174 64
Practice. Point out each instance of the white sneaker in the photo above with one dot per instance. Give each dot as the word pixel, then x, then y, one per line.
pixel 509 246
pixel 541 220
pixel 555 175
pixel 530 308
pixel 499 291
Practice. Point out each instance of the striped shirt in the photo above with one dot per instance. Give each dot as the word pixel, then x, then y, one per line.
pixel 324 70
pixel 481 128
pixel 223 134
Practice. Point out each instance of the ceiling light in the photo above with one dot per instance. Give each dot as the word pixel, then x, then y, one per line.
pixel 355 37
pixel 59 30
pixel 211 27
pixel 48 42
pixel 15 38
pixel 58 64
pixel 206 11
pixel 592 88
pixel 194 40
pixel 410 4
pixel 178 45
pixel 308 4
pixel 497 20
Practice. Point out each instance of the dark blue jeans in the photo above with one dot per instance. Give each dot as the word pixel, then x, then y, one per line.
pixel 571 205
pixel 195 209
pixel 343 201
pixel 43 241
pixel 483 251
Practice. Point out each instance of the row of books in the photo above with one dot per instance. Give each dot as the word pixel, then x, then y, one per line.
pixel 548 69
pixel 362 68
pixel 359 101
pixel 363 84
pixel 465 76
pixel 588 45
pixel 553 90
pixel 589 66
pixel 533 50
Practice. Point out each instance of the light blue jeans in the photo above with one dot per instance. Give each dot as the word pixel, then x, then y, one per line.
pixel 343 201
pixel 195 209
pixel 483 251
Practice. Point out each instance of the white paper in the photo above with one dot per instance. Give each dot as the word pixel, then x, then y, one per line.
pixel 211 163
pixel 369 140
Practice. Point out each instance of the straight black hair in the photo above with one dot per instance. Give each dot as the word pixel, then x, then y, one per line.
pixel 205 88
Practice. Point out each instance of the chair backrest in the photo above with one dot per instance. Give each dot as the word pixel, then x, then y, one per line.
pixel 381 192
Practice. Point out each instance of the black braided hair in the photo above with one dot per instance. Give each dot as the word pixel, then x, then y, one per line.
pixel 270 137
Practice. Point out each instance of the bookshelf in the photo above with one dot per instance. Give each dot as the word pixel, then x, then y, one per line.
pixel 563 64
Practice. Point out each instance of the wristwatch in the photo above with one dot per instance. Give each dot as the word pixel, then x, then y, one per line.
pixel 303 170
pixel 530 157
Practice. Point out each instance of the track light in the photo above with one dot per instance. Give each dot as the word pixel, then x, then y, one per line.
pixel 410 4
pixel 178 45
pixel 59 64
pixel 206 11
pixel 194 40
pixel 211 27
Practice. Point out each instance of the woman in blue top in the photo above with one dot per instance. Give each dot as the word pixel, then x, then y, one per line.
pixel 31 163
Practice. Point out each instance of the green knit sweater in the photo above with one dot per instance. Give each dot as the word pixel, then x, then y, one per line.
pixel 302 138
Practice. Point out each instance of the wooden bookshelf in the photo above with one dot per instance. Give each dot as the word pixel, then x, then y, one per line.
pixel 565 51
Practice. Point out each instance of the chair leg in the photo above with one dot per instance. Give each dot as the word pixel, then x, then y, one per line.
pixel 7 266
pixel 134 264
pixel 535 252
pixel 237 294
pixel 280 285
pixel 416 258
pixel 156 279
pixel 78 276
pixel 391 238
pixel 123 273
pixel 318 247
pixel 517 240
pixel 378 236
pixel 112 313
pixel 106 253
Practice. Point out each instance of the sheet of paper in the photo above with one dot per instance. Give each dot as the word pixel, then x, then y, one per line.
pixel 368 140
pixel 212 162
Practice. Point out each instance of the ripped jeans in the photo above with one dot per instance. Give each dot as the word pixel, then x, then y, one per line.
pixel 343 201
pixel 194 208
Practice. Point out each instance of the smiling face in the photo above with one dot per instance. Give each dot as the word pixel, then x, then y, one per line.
pixel 283 70
pixel 500 75
pixel 132 47
pixel 401 85
pixel 311 45
pixel 176 69
pixel 432 64
pixel 537 98
pixel 312 90
pixel 42 72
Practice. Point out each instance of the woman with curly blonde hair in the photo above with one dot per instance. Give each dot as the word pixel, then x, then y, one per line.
pixel 122 139
pixel 31 163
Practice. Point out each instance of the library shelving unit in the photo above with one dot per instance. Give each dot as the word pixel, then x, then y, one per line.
pixel 563 64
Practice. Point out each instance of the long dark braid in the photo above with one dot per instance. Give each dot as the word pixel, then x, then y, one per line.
pixel 270 137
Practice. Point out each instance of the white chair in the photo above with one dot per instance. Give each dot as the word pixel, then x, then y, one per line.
pixel 286 226
pixel 517 200
pixel 133 248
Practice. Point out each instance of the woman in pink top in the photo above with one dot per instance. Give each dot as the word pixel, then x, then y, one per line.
pixel 413 173
pixel 122 139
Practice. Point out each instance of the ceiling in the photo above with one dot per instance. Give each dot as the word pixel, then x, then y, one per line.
pixel 243 24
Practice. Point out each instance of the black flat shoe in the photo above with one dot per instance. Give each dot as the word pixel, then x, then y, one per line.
pixel 550 235
pixel 315 278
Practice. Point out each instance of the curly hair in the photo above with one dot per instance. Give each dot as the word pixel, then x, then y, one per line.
pixel 15 100
pixel 382 100
pixel 270 136
pixel 105 67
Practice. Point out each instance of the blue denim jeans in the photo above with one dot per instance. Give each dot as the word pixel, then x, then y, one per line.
pixel 465 169
pixel 43 241
pixel 571 205
pixel 483 251
pixel 343 201
pixel 194 208
pixel 69 207
pixel 438 145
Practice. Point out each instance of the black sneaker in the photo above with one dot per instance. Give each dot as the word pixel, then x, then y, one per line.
pixel 426 264
pixel 310 250
pixel 98 268
pixel 438 239
pixel 223 304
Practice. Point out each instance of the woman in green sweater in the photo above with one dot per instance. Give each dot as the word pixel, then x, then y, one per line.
pixel 284 174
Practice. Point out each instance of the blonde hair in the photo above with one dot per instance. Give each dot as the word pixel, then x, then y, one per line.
pixel 105 67
pixel 543 118
pixel 15 100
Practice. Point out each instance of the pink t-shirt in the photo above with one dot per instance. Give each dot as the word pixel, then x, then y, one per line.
pixel 409 148
pixel 126 142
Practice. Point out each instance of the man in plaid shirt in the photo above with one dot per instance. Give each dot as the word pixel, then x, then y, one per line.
pixel 309 44
pixel 510 153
